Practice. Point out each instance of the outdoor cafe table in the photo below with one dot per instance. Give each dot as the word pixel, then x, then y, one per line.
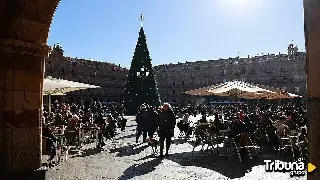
pixel 83 130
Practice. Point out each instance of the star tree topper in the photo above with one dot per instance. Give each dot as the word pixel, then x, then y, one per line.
pixel 141 19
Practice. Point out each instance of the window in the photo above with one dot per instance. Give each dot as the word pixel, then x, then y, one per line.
pixel 174 92
pixel 224 72
pixel 182 83
pixel 174 83
pixel 252 71
pixel 284 69
pixel 296 89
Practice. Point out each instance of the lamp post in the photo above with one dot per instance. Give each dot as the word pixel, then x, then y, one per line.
pixel 142 75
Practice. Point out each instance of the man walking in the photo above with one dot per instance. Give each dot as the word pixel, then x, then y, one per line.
pixel 166 125
pixel 151 121
pixel 141 119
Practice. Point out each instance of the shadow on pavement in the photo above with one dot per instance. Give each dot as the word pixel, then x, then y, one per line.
pixel 222 165
pixel 179 141
pixel 125 137
pixel 132 125
pixel 140 169
pixel 28 175
pixel 88 152
pixel 146 157
pixel 129 150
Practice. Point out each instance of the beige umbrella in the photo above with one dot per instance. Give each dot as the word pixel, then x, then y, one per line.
pixel 243 90
pixel 237 89
pixel 199 91
pixel 54 86
pixel 273 95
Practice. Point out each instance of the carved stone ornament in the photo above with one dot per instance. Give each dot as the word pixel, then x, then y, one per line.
pixel 22 47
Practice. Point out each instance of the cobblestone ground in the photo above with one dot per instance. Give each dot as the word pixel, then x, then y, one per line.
pixel 123 159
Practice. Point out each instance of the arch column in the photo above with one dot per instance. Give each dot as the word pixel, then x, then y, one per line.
pixel 21 78
pixel 23 36
pixel 312 37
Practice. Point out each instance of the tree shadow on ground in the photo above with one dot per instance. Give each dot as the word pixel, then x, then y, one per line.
pixel 87 152
pixel 129 150
pixel 28 175
pixel 140 169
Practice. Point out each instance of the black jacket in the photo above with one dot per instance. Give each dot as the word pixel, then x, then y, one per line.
pixel 142 119
pixel 166 123
pixel 152 118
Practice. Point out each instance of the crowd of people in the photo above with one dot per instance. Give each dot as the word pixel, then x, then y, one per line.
pixel 266 124
pixel 74 118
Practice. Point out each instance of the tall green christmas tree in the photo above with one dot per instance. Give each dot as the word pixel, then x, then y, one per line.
pixel 141 86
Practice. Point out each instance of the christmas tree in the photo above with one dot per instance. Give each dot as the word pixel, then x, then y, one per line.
pixel 141 86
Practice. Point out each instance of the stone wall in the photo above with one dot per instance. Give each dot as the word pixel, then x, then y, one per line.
pixel 109 76
pixel 282 70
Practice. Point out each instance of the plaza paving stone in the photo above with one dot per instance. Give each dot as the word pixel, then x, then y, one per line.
pixel 123 159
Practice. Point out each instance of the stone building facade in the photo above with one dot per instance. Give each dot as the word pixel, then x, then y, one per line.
pixel 285 71
pixel 109 76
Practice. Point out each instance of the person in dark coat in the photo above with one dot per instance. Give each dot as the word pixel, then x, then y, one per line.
pixel 250 127
pixel 110 130
pixel 217 123
pixel 87 117
pixel 151 124
pixel 51 140
pixel 58 120
pixel 142 119
pixel 237 128
pixel 123 122
pixel 166 124
pixel 101 124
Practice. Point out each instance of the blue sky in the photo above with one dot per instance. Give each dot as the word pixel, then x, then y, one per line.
pixel 176 30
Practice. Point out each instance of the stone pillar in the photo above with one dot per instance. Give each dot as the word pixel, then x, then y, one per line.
pixel 312 37
pixel 21 78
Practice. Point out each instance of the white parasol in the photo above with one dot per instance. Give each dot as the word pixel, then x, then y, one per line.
pixel 55 86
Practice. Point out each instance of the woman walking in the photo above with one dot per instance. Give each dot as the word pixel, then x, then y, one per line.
pixel 166 124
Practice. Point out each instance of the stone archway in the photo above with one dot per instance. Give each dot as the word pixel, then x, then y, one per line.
pixel 312 38
pixel 23 36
